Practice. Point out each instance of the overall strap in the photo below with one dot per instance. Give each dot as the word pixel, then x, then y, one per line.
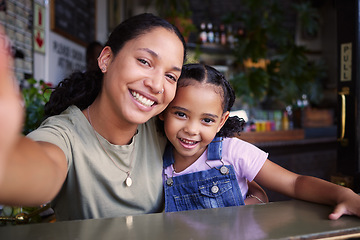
pixel 168 158
pixel 215 149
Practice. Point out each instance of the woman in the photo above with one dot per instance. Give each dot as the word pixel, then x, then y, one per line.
pixel 97 154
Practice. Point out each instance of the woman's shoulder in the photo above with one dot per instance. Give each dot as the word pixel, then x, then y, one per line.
pixel 69 120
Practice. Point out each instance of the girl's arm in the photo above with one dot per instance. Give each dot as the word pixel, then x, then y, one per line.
pixel 255 194
pixel 308 188
pixel 31 173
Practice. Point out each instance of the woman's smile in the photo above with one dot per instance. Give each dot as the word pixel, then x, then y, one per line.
pixel 142 99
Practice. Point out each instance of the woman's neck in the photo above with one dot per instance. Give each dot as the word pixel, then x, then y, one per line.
pixel 109 126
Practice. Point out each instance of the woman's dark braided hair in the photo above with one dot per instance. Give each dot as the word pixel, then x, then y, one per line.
pixel 81 89
pixel 207 74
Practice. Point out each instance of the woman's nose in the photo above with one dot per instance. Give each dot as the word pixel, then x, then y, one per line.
pixel 155 82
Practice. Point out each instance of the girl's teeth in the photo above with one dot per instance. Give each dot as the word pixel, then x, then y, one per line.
pixel 141 99
pixel 188 142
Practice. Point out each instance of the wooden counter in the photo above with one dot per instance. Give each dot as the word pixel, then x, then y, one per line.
pixel 280 220
pixel 273 136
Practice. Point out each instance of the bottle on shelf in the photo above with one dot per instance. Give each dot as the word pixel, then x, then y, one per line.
pixel 285 121
pixel 210 33
pixel 203 35
pixel 216 35
pixel 230 37
pixel 223 39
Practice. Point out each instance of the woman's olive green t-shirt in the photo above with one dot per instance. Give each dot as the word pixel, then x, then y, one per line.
pixel 94 186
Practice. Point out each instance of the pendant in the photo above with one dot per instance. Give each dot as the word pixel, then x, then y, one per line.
pixel 128 181
pixel 224 170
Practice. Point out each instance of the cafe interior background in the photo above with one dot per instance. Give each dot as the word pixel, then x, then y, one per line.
pixel 290 63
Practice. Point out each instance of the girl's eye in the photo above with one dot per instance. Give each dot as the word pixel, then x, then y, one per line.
pixel 180 114
pixel 143 61
pixel 208 120
pixel 171 77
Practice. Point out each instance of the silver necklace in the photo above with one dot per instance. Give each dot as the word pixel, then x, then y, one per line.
pixel 128 180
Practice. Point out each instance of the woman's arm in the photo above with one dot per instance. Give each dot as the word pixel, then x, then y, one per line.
pixel 255 194
pixel 308 188
pixel 31 173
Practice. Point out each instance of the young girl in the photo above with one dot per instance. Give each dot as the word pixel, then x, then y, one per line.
pixel 204 168
pixel 98 154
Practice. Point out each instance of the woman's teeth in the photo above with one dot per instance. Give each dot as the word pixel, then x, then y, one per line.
pixel 141 99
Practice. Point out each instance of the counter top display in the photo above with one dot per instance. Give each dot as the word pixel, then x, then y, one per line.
pixel 278 220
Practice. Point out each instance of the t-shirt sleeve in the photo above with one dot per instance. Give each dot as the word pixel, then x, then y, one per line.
pixel 53 131
pixel 246 158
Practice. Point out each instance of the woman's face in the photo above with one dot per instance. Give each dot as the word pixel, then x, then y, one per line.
pixel 140 81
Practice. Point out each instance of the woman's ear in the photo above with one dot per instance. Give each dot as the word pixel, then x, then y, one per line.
pixel 224 117
pixel 104 58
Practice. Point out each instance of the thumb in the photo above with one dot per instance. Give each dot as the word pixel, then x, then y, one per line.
pixel 339 210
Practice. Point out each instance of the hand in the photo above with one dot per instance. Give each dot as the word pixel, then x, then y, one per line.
pixel 349 206
pixel 11 110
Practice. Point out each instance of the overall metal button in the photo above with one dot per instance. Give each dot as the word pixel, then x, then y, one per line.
pixel 169 182
pixel 214 189
pixel 224 170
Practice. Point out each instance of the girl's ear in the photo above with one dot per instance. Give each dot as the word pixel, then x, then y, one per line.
pixel 224 117
pixel 161 116
pixel 104 58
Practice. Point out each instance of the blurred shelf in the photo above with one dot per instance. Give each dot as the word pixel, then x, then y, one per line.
pixel 273 136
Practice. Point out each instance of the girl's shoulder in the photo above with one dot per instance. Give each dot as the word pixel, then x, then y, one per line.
pixel 237 146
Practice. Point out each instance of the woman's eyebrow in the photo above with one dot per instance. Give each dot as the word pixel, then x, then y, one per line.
pixel 154 54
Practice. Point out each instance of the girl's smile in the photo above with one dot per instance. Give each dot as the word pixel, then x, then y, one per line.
pixel 192 119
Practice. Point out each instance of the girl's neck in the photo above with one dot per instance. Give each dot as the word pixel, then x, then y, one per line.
pixel 109 126
pixel 182 162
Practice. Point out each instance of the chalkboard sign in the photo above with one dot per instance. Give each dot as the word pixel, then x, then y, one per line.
pixel 74 19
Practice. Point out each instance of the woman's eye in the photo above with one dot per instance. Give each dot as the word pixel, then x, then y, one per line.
pixel 143 61
pixel 171 77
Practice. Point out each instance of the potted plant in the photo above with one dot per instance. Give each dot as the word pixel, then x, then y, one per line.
pixel 287 74
pixel 35 94
pixel 178 13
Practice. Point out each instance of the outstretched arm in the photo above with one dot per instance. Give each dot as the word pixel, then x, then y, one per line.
pixel 255 194
pixel 31 173
pixel 310 189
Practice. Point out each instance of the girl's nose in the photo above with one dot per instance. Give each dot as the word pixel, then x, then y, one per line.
pixel 191 128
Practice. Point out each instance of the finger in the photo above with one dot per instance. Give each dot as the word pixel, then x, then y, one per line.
pixel 7 80
pixel 338 212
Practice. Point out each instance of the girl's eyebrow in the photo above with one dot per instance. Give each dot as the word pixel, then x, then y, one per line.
pixel 154 54
pixel 180 108
pixel 204 114
pixel 211 115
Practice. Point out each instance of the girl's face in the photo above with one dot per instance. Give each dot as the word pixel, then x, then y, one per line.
pixel 141 80
pixel 193 118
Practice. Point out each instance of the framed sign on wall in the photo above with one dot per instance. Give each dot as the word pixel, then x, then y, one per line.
pixel 74 19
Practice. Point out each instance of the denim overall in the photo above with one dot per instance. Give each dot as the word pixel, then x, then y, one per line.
pixel 213 188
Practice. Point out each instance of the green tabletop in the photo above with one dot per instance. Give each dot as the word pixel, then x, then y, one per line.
pixel 278 220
